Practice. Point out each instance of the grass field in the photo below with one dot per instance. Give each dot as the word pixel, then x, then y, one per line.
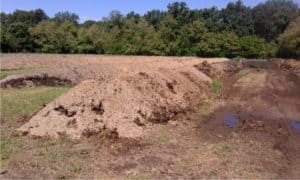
pixel 4 74
pixel 19 104
pixel 16 103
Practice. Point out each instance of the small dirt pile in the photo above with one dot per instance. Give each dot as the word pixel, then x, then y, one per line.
pixel 128 104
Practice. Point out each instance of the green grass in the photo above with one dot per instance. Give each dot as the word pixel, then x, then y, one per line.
pixel 216 87
pixel 206 109
pixel 55 142
pixel 138 176
pixel 9 146
pixel 221 149
pixel 4 74
pixel 4 143
pixel 238 58
pixel 162 140
pixel 16 103
pixel 55 155
pixel 75 168
pixel 244 71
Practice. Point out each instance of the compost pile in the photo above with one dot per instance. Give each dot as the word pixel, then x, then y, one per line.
pixel 128 103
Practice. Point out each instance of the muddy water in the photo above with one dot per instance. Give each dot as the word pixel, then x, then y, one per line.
pixel 262 104
pixel 230 120
pixel 295 125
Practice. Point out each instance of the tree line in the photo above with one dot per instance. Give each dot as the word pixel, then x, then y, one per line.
pixel 268 29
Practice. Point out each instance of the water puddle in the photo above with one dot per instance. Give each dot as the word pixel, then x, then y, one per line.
pixel 295 125
pixel 230 120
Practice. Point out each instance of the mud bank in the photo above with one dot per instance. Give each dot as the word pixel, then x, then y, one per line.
pixel 260 101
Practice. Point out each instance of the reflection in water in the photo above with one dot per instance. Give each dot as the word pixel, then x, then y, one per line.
pixel 230 120
pixel 295 125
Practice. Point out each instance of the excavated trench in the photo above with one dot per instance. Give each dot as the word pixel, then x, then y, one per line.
pixel 259 100
pixel 37 79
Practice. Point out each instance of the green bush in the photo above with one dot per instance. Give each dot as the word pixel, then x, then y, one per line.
pixel 236 30
pixel 253 47
pixel 216 87
pixel 289 41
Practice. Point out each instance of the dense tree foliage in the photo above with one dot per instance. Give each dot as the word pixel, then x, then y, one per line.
pixel 272 17
pixel 66 16
pixel 289 41
pixel 238 19
pixel 236 30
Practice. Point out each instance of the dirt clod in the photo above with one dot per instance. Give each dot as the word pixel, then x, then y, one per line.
pixel 65 111
pixel 98 108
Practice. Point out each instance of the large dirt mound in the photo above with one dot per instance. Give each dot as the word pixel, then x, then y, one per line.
pixel 129 103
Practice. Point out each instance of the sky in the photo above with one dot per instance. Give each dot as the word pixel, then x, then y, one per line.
pixel 96 9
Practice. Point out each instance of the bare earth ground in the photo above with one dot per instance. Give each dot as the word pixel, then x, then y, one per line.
pixel 156 117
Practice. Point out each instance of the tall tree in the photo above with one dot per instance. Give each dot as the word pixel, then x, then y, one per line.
pixel 181 12
pixel 133 15
pixel 289 41
pixel 18 37
pixel 273 16
pixel 238 18
pixel 138 37
pixel 168 33
pixel 88 23
pixel 28 18
pixel 154 17
pixel 4 19
pixel 91 40
pixel 115 18
pixel 225 44
pixel 66 16
pixel 212 18
pixel 54 37
pixel 4 47
pixel 189 37
pixel 253 47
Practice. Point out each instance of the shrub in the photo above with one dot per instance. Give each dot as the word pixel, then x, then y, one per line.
pixel 253 47
pixel 216 87
pixel 289 41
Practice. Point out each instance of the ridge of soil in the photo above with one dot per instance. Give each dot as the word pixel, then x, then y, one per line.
pixel 129 103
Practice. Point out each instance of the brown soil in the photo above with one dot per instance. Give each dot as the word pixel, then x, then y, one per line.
pixel 128 103
pixel 142 117
pixel 264 105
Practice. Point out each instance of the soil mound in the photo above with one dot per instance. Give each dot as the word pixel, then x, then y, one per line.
pixel 128 103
